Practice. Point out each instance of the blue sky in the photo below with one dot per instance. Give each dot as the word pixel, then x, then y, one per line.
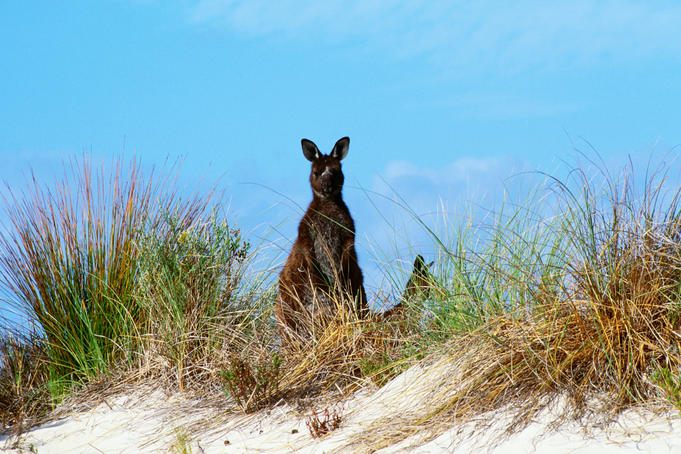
pixel 442 100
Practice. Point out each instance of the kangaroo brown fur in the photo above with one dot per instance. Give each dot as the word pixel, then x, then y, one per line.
pixel 322 267
pixel 420 284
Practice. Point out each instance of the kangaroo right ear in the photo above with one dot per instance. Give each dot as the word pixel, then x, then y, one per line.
pixel 340 150
pixel 310 150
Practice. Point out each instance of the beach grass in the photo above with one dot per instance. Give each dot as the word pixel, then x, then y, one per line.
pixel 572 291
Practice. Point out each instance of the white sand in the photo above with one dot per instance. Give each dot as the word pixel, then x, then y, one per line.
pixel 151 423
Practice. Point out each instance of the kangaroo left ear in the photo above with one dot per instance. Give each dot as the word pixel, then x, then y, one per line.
pixel 310 150
pixel 340 150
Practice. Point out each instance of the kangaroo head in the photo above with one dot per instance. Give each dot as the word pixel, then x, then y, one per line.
pixel 326 176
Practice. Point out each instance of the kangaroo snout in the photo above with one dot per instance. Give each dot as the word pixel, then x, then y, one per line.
pixel 330 182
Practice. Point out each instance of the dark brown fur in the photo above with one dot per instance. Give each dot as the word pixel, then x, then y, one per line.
pixel 419 285
pixel 322 267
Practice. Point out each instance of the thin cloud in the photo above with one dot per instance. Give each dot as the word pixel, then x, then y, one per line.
pixel 463 36
pixel 466 175
pixel 467 187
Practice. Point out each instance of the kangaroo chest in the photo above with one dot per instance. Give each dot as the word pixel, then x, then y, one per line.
pixel 328 234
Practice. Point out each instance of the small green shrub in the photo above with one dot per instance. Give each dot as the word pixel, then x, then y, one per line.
pixel 185 269
pixel 189 273
pixel 252 385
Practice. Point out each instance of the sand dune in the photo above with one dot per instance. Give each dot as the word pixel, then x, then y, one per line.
pixel 151 421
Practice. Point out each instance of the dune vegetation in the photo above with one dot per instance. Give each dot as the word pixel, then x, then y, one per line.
pixel 573 293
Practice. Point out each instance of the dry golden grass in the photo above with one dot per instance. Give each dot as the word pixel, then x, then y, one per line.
pixel 24 398
pixel 599 332
pixel 584 309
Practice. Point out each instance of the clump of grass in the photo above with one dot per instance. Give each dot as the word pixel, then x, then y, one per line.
pixel 345 346
pixel 574 295
pixel 69 257
pixel 24 392
pixel 598 324
pixel 320 425
pixel 255 385
pixel 68 261
pixel 182 443
pixel 125 279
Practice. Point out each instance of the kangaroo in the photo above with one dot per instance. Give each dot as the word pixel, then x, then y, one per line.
pixel 322 267
pixel 419 285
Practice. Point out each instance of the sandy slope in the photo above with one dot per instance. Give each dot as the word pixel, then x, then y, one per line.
pixel 150 423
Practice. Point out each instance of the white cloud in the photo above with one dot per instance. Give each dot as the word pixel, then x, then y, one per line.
pixel 469 177
pixel 465 36
pixel 455 171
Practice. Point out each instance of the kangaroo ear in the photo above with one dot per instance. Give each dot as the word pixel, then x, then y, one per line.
pixel 340 150
pixel 310 150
